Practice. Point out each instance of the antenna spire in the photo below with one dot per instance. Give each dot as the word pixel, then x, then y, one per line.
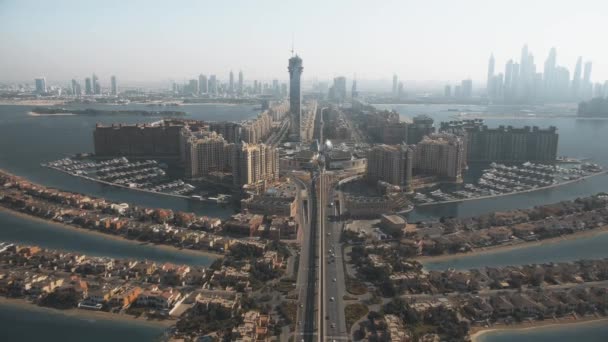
pixel 292 44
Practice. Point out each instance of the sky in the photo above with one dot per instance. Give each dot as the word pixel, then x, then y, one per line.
pixel 150 41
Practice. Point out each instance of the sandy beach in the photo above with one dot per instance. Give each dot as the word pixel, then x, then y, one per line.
pixel 523 244
pixel 478 332
pixel 111 236
pixel 88 314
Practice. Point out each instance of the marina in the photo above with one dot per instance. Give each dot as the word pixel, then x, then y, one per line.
pixel 502 180
pixel 144 175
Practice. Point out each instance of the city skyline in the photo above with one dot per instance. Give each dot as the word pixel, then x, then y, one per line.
pixel 180 49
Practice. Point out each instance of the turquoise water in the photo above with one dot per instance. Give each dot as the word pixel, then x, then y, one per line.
pixel 29 324
pixel 585 332
pixel 588 247
pixel 22 230
pixel 577 138
pixel 26 141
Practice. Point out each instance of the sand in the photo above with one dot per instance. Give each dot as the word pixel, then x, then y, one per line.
pixel 476 333
pixel 81 313
pixel 110 236
pixel 523 244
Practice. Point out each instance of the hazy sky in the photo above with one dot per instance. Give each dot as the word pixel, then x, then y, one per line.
pixel 418 40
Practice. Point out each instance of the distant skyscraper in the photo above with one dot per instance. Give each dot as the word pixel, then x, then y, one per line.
pixel 88 86
pixel 587 86
pixel 114 86
pixel 212 88
pixel 489 83
pixel 193 86
pixel 466 88
pixel 231 83
pixel 508 78
pixel 395 84
pixel 550 74
pixel 284 89
pixel 76 91
pixel 447 92
pixel 353 91
pixel 340 89
pixel 40 85
pixel 240 87
pixel 96 85
pixel 295 69
pixel 276 90
pixel 202 84
pixel 576 79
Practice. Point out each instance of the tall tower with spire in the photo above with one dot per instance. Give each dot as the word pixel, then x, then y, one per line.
pixel 295 69
pixel 490 81
pixel 240 86
pixel 231 83
pixel 576 79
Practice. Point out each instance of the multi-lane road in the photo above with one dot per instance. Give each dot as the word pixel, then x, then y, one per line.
pixel 332 264
pixel 307 268
pixel 320 281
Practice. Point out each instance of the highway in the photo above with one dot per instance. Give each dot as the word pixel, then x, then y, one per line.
pixel 333 267
pixel 305 286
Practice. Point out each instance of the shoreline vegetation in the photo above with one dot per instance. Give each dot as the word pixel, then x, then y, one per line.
pixel 477 333
pixel 519 245
pixel 193 252
pixel 94 112
pixel 21 303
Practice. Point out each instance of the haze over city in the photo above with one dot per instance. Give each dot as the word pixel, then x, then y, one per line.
pixel 143 41
pixel 303 171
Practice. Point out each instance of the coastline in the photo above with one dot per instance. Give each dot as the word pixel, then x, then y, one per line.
pixel 110 236
pixel 548 324
pixel 502 248
pixel 117 185
pixel 516 192
pixel 84 314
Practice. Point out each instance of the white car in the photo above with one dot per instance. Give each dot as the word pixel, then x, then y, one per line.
pixel 334 280
pixel 332 299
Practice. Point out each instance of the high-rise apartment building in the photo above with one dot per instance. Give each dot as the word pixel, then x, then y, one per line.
pixel 255 166
pixel 114 86
pixel 202 84
pixel 231 83
pixel 231 131
pixel 295 69
pixel 193 86
pixel 88 86
pixel 391 164
pixel 240 88
pixel 40 85
pixel 421 126
pixel 508 144
pixel 490 80
pixel 395 84
pixel 466 87
pixel 213 86
pixel 576 79
pixel 338 90
pixel 441 155
pixel 76 89
pixel 96 85
pixel 205 155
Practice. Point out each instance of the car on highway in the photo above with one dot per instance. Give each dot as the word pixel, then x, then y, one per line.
pixel 332 299
pixel 334 280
